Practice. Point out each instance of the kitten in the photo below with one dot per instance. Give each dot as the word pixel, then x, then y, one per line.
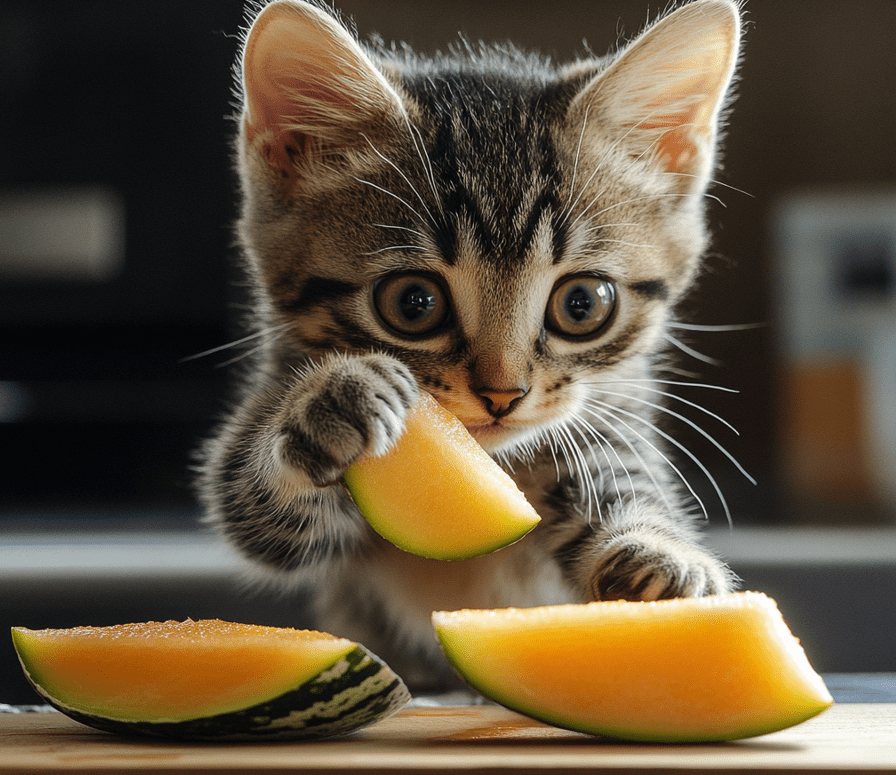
pixel 510 236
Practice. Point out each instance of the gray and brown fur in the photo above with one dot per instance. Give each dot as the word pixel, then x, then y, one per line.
pixel 495 174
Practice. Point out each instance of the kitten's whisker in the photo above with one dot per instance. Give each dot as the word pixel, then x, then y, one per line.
pixel 647 469
pixel 558 442
pixel 394 196
pixel 666 382
pixel 687 421
pixel 415 232
pixel 617 411
pixel 717 328
pixel 237 342
pixel 393 247
pixel 712 181
pixel 601 226
pixel 673 396
pixel 420 147
pixel 583 474
pixel 241 356
pixel 548 438
pixel 601 240
pixel 597 168
pixel 633 200
pixel 691 351
pixel 404 177
pixel 575 168
pixel 582 427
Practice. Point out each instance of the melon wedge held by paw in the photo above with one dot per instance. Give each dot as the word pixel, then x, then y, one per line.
pixel 437 493
pixel 209 679
pixel 686 670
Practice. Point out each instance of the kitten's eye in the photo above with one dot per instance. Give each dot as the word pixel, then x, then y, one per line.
pixel 580 305
pixel 413 305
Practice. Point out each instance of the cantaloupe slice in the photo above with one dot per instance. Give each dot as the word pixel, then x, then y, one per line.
pixel 209 679
pixel 437 493
pixel 685 670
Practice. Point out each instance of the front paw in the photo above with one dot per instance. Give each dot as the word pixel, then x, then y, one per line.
pixel 644 566
pixel 345 409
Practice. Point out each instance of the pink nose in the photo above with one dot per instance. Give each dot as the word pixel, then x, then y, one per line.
pixel 501 402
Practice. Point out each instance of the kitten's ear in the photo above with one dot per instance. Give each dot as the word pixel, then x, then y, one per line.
pixel 664 94
pixel 309 88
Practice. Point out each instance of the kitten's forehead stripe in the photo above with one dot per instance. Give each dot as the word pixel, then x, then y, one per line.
pixel 495 161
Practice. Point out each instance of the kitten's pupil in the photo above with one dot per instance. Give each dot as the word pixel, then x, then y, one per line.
pixel 578 304
pixel 416 301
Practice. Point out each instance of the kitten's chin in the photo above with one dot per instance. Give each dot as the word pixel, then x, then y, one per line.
pixel 497 438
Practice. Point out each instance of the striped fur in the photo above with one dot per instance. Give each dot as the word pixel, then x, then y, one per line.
pixel 552 217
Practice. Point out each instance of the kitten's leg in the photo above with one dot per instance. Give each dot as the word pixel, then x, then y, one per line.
pixel 638 551
pixel 270 481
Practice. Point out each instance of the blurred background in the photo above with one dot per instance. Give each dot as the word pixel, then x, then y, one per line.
pixel 117 266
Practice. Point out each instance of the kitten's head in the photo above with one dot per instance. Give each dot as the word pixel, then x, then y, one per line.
pixel 510 230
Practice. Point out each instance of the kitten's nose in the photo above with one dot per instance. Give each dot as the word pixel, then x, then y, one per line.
pixel 500 402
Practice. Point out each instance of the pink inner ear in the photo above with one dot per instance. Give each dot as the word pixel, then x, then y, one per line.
pixel 677 150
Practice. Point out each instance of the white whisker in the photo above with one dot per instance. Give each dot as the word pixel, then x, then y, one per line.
pixel 602 414
pixel 687 421
pixel 420 147
pixel 667 382
pixel 597 168
pixel 393 247
pixel 691 351
pixel 415 232
pixel 711 181
pixel 672 396
pixel 575 166
pixel 237 342
pixel 404 177
pixel 616 411
pixel 582 427
pixel 728 327
pixel 586 481
pixel 393 195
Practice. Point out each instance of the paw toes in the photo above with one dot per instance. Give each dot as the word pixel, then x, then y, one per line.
pixel 639 571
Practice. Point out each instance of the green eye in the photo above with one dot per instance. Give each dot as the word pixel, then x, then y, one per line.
pixel 412 305
pixel 580 306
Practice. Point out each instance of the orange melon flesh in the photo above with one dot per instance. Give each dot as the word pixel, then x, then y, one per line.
pixel 173 670
pixel 685 670
pixel 437 493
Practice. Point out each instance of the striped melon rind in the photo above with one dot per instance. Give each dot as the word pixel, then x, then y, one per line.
pixel 355 692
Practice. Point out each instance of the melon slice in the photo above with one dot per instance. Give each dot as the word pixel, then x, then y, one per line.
pixel 686 670
pixel 209 679
pixel 437 493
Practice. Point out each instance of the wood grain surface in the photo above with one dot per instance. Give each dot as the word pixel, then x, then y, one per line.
pixel 467 739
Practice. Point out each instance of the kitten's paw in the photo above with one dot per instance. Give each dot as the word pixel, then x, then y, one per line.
pixel 644 566
pixel 346 409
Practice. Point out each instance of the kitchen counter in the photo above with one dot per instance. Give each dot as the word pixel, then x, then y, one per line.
pixel 851 737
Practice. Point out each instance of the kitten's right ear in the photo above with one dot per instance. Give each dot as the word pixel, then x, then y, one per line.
pixel 665 93
pixel 308 87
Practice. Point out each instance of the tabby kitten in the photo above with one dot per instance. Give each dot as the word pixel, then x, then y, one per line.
pixel 512 237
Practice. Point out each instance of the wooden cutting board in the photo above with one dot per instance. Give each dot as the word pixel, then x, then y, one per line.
pixel 467 739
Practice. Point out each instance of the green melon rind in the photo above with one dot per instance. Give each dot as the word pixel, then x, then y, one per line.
pixel 379 521
pixel 494 693
pixel 355 692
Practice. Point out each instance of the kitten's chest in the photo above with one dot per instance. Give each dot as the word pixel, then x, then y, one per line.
pixel 513 576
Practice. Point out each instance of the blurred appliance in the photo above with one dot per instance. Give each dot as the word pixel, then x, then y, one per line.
pixel 836 254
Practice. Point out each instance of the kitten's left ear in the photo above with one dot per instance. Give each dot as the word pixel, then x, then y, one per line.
pixel 665 92
pixel 309 88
